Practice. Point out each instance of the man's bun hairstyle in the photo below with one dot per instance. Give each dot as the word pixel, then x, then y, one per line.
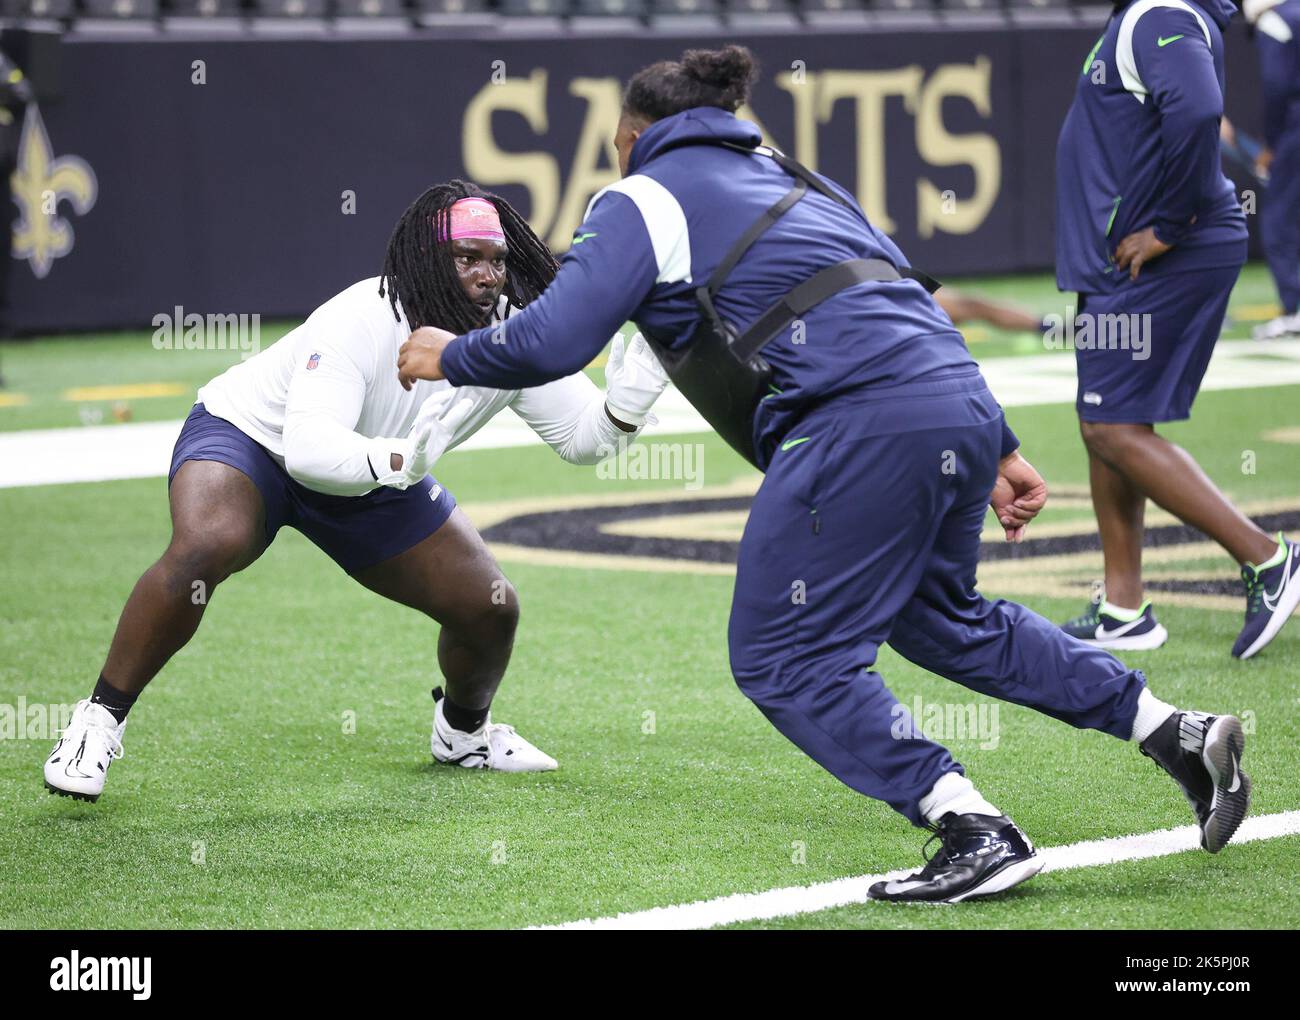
pixel 720 78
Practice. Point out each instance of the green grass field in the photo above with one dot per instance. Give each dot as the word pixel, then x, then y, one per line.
pixel 278 772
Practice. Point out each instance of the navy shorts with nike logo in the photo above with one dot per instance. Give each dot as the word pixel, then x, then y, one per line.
pixel 1186 312
pixel 356 532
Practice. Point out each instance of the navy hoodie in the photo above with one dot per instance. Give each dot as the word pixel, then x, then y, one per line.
pixel 1140 147
pixel 649 240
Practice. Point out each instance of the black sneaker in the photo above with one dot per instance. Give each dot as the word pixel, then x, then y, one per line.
pixel 1271 597
pixel 1106 631
pixel 978 855
pixel 1203 754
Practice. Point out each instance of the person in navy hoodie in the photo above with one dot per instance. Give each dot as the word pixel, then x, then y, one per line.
pixel 1150 233
pixel 1277 40
pixel 882 450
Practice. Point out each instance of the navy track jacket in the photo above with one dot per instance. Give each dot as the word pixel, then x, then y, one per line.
pixel 649 240
pixel 1140 147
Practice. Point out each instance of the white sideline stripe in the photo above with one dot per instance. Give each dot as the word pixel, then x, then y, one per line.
pixel 102 453
pixel 99 453
pixel 808 899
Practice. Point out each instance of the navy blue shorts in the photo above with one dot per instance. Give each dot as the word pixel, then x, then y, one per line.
pixel 1178 319
pixel 356 532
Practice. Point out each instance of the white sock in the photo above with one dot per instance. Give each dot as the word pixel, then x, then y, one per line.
pixel 954 792
pixel 1120 613
pixel 1150 714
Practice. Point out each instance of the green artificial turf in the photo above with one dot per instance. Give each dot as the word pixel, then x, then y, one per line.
pixel 278 772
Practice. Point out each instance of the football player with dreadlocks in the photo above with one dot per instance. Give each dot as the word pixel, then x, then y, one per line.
pixel 317 433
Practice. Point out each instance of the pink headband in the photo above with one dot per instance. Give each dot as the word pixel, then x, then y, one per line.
pixel 471 217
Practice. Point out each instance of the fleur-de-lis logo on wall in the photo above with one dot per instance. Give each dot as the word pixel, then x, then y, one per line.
pixel 40 183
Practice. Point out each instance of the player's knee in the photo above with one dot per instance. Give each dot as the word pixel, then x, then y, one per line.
pixel 1107 440
pixel 500 617
pixel 213 554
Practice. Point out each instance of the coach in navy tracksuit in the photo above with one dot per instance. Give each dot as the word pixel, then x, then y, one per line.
pixel 1150 233
pixel 1277 39
pixel 881 447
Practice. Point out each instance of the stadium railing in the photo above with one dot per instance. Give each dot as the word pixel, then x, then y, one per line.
pixel 280 16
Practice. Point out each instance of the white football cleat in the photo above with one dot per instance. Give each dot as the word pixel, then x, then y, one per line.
pixel 491 746
pixel 79 762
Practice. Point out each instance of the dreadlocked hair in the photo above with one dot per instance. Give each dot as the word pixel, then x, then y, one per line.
pixel 420 271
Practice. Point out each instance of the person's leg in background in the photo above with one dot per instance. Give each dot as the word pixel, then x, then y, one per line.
pixel 1120 508
pixel 1279 229
pixel 1122 392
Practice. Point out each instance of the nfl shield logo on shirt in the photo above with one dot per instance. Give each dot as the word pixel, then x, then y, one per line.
pixel 313 361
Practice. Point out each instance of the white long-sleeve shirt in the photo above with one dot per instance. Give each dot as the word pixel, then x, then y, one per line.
pixel 317 396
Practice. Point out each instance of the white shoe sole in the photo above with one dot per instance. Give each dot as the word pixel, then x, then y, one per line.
pixel 1290 599
pixel 1005 879
pixel 475 760
pixel 1153 638
pixel 1225 744
pixel 85 795
pixel 483 766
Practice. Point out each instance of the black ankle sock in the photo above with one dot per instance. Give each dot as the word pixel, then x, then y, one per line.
pixel 467 720
pixel 117 702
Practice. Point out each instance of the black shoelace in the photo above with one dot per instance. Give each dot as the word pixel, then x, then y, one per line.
pixel 942 856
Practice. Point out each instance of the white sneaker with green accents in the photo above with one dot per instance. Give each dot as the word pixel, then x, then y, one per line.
pixel 1118 630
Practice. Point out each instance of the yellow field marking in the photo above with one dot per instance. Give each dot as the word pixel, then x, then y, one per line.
pixel 14 399
pixel 1256 313
pixel 484 515
pixel 604 561
pixel 723 526
pixel 1066 575
pixel 1288 435
pixel 1071 574
pixel 129 391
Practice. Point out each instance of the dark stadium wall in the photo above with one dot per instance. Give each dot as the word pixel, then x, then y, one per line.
pixel 263 175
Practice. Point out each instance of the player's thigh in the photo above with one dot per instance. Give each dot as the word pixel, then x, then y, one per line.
pixel 451 576
pixel 946 615
pixel 218 518
pixel 945 612
pixel 833 549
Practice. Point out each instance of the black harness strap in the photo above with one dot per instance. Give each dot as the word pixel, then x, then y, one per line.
pixel 813 291
pixel 704 295
pixel 722 374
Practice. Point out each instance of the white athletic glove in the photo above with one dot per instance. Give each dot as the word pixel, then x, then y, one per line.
pixel 633 380
pixel 434 428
